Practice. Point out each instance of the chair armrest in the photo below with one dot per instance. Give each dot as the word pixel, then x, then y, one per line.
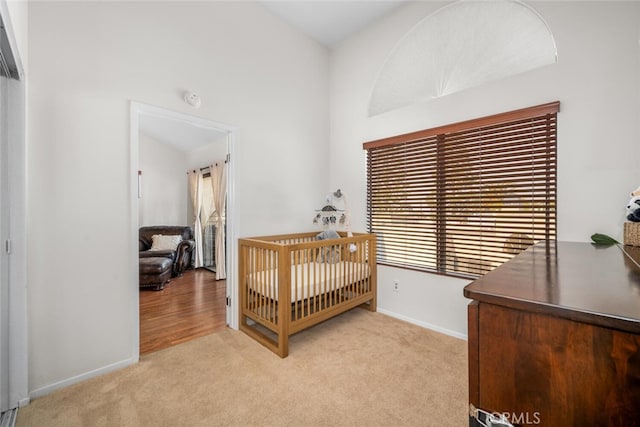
pixel 185 246
pixel 183 256
pixel 143 245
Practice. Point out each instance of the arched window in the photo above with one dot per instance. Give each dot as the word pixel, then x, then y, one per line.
pixel 460 46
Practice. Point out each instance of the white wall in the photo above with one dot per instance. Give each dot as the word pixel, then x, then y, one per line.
pixel 596 80
pixel 87 61
pixel 164 183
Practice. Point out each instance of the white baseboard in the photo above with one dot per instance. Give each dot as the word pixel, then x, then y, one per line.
pixel 42 391
pixel 426 325
pixel 23 402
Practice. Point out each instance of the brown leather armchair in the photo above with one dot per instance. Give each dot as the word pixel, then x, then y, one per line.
pixel 181 257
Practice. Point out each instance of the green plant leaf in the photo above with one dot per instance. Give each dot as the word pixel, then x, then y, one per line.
pixel 603 239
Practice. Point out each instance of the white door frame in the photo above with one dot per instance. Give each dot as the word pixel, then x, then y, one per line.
pixel 17 351
pixel 136 109
pixel 5 236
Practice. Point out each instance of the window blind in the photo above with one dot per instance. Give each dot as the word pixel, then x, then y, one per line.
pixel 462 199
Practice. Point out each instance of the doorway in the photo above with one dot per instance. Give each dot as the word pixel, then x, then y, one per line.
pixel 186 132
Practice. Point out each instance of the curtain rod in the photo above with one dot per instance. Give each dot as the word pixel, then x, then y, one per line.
pixel 207 167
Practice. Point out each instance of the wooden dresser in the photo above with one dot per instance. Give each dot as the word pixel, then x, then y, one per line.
pixel 554 337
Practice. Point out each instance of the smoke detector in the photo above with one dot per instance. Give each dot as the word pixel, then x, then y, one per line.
pixel 192 99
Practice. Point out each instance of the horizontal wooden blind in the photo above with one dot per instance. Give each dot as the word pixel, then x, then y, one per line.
pixel 464 198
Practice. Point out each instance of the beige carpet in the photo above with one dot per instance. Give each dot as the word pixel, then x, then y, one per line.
pixel 361 368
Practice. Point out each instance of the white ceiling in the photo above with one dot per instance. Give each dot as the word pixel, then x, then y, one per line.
pixel 181 135
pixel 331 21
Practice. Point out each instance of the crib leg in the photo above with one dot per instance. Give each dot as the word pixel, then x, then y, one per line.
pixel 373 304
pixel 283 345
pixel 284 315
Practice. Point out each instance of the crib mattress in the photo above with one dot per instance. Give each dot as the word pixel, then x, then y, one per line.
pixel 309 279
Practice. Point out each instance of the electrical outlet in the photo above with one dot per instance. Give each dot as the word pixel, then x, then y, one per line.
pixel 396 285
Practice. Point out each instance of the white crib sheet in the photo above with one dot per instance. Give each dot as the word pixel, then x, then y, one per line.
pixel 309 279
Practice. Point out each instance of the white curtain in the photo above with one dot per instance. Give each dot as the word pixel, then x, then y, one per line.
pixel 207 216
pixel 219 184
pixel 207 207
pixel 195 190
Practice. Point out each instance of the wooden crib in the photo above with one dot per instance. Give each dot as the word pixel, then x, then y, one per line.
pixel 291 282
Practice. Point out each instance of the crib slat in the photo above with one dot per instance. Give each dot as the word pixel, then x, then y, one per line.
pixel 331 283
pixel 349 277
pixel 251 279
pixel 306 287
pixel 252 261
pixel 261 285
pixel 294 285
pixel 326 283
pixel 272 286
pixel 362 273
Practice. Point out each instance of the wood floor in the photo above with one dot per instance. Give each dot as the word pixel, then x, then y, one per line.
pixel 189 307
